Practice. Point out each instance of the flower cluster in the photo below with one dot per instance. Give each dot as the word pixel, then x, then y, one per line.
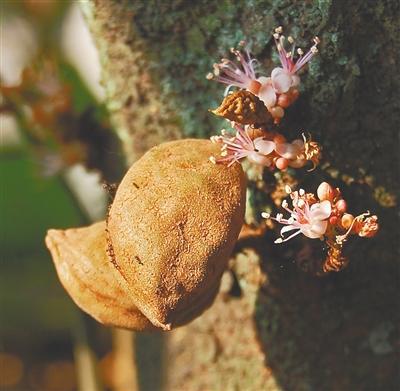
pixel 268 149
pixel 278 91
pixel 324 217
pixel 259 102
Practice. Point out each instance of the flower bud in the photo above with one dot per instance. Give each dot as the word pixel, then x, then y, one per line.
pixel 347 220
pixel 284 100
pixel 281 163
pixel 325 192
pixel 341 206
pixel 254 87
pixel 277 112
pixel 333 220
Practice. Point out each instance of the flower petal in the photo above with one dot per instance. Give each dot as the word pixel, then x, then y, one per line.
pixel 264 80
pixel 295 80
pixel 288 228
pixel 321 210
pixel 258 158
pixel 288 150
pixel 264 146
pixel 267 94
pixel 314 230
pixel 281 80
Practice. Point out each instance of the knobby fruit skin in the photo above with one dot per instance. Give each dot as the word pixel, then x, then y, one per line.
pixel 158 260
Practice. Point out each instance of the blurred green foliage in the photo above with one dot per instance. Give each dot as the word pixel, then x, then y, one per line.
pixel 30 294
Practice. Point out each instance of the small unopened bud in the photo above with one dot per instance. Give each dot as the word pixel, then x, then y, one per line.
pixel 333 220
pixel 281 163
pixel 347 220
pixel 341 206
pixel 325 191
pixel 254 87
pixel 277 112
pixel 284 100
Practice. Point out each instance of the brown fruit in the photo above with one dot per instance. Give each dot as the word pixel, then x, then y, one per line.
pixel 172 227
pixel 89 277
pixel 170 231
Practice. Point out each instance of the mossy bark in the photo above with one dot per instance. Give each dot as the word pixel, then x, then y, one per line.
pixel 332 333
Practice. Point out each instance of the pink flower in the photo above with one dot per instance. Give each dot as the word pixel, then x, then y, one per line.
pixel 309 220
pixel 241 146
pixel 271 149
pixel 284 78
pixel 240 75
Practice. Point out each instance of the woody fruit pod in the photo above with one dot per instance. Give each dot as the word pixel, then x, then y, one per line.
pixel 158 260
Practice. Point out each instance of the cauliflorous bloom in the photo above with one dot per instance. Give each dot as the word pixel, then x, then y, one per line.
pixel 324 217
pixel 285 77
pixel 241 75
pixel 280 89
pixel 265 148
pixel 276 92
pixel 307 218
pixel 235 148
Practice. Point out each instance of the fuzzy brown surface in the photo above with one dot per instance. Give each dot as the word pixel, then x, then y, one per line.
pixel 79 255
pixel 244 108
pixel 173 224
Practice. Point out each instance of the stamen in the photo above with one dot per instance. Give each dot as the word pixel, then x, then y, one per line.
pixel 300 52
pixel 341 238
pixel 212 160
pixel 290 39
pixel 209 76
pixel 301 203
pixel 302 192
pixel 265 215
pixel 285 204
pixel 279 240
pixel 288 189
pixel 279 30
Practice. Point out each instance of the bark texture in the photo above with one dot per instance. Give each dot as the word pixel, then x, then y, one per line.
pixel 334 333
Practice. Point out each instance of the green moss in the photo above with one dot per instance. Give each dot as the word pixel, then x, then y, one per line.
pixel 344 97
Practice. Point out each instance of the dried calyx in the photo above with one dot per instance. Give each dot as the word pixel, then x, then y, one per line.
pixel 158 260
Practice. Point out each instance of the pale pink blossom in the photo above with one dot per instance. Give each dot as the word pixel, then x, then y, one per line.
pixel 309 220
pixel 235 148
pixel 284 78
pixel 266 151
pixel 241 74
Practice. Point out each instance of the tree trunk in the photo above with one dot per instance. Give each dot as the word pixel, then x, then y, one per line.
pixel 273 326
